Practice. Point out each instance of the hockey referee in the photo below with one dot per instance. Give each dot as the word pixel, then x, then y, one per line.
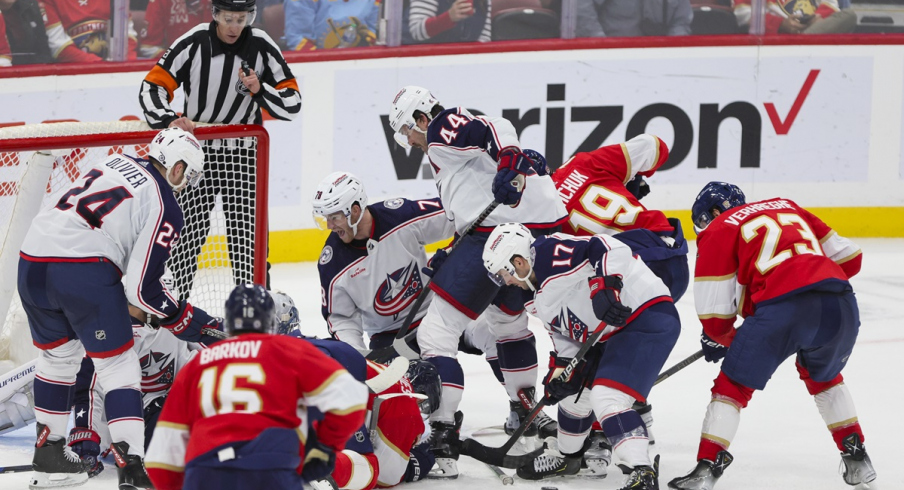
pixel 207 62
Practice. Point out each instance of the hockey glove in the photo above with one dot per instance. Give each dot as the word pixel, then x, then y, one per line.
pixel 319 460
pixel 420 461
pixel 558 385
pixel 86 443
pixel 539 162
pixel 509 183
pixel 638 187
pixel 605 295
pixel 712 350
pixel 435 263
pixel 188 324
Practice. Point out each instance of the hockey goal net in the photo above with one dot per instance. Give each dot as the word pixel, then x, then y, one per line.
pixel 224 241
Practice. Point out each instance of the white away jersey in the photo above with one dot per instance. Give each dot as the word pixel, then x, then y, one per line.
pixel 161 356
pixel 369 285
pixel 463 150
pixel 564 264
pixel 120 210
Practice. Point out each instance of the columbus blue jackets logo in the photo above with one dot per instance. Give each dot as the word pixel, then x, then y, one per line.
pixel 568 324
pixel 158 370
pixel 399 290
pixel 326 255
pixel 394 203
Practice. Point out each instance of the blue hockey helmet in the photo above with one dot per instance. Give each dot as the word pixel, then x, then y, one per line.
pixel 716 195
pixel 250 309
pixel 425 380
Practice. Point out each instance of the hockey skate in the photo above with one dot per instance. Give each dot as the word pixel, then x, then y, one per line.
pixel 446 446
pixel 858 469
pixel 598 456
pixel 643 477
pixel 546 426
pixel 705 475
pixel 645 410
pixel 550 465
pixel 519 410
pixel 132 474
pixel 325 484
pixel 55 464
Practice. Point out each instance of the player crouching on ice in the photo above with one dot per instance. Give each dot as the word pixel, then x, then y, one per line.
pixel 792 272
pixel 580 285
pixel 236 416
pixel 120 217
pixel 392 446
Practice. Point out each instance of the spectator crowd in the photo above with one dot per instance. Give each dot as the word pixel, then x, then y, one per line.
pixel 45 31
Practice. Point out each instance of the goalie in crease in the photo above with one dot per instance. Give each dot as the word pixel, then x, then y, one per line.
pixel 120 217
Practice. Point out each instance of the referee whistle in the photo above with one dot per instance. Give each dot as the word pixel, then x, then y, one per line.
pixel 246 68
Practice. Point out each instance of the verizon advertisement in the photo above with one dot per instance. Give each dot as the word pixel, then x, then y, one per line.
pixel 736 119
pixel 820 124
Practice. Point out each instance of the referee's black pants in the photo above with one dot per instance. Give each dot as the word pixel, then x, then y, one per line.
pixel 229 172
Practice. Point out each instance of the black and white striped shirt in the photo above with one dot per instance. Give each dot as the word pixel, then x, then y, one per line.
pixel 207 70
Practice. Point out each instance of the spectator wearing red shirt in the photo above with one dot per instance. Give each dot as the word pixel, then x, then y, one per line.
pixel 6 57
pixel 77 30
pixel 169 19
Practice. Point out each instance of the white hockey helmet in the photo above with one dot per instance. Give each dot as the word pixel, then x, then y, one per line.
pixel 401 117
pixel 337 193
pixel 286 312
pixel 174 145
pixel 505 242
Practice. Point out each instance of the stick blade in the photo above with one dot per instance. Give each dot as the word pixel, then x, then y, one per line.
pixel 494 455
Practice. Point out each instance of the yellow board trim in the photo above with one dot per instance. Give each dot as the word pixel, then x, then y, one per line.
pixel 305 245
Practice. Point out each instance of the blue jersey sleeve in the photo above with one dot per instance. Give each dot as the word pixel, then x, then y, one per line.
pixel 147 262
pixel 458 129
pixel 557 255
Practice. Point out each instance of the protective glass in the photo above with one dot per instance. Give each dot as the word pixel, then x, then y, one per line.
pixel 500 277
pixel 238 19
pixel 426 407
pixel 702 221
pixel 328 222
pixel 194 177
pixel 402 136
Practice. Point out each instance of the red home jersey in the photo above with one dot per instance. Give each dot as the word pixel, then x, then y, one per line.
pixel 77 27
pixel 592 186
pixel 237 388
pixel 399 427
pixel 762 251
pixel 5 54
pixel 169 19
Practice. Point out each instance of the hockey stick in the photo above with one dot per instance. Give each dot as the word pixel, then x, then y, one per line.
pixel 16 469
pixel 499 455
pixel 506 479
pixel 678 367
pixel 214 333
pixel 399 345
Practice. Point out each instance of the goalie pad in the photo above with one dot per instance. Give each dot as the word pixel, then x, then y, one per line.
pixel 17 406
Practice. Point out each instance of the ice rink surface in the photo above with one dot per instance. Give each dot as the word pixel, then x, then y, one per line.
pixel 782 442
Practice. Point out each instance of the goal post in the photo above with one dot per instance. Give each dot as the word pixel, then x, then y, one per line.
pixel 31 181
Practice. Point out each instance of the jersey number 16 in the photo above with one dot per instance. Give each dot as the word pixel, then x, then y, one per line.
pixel 220 395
